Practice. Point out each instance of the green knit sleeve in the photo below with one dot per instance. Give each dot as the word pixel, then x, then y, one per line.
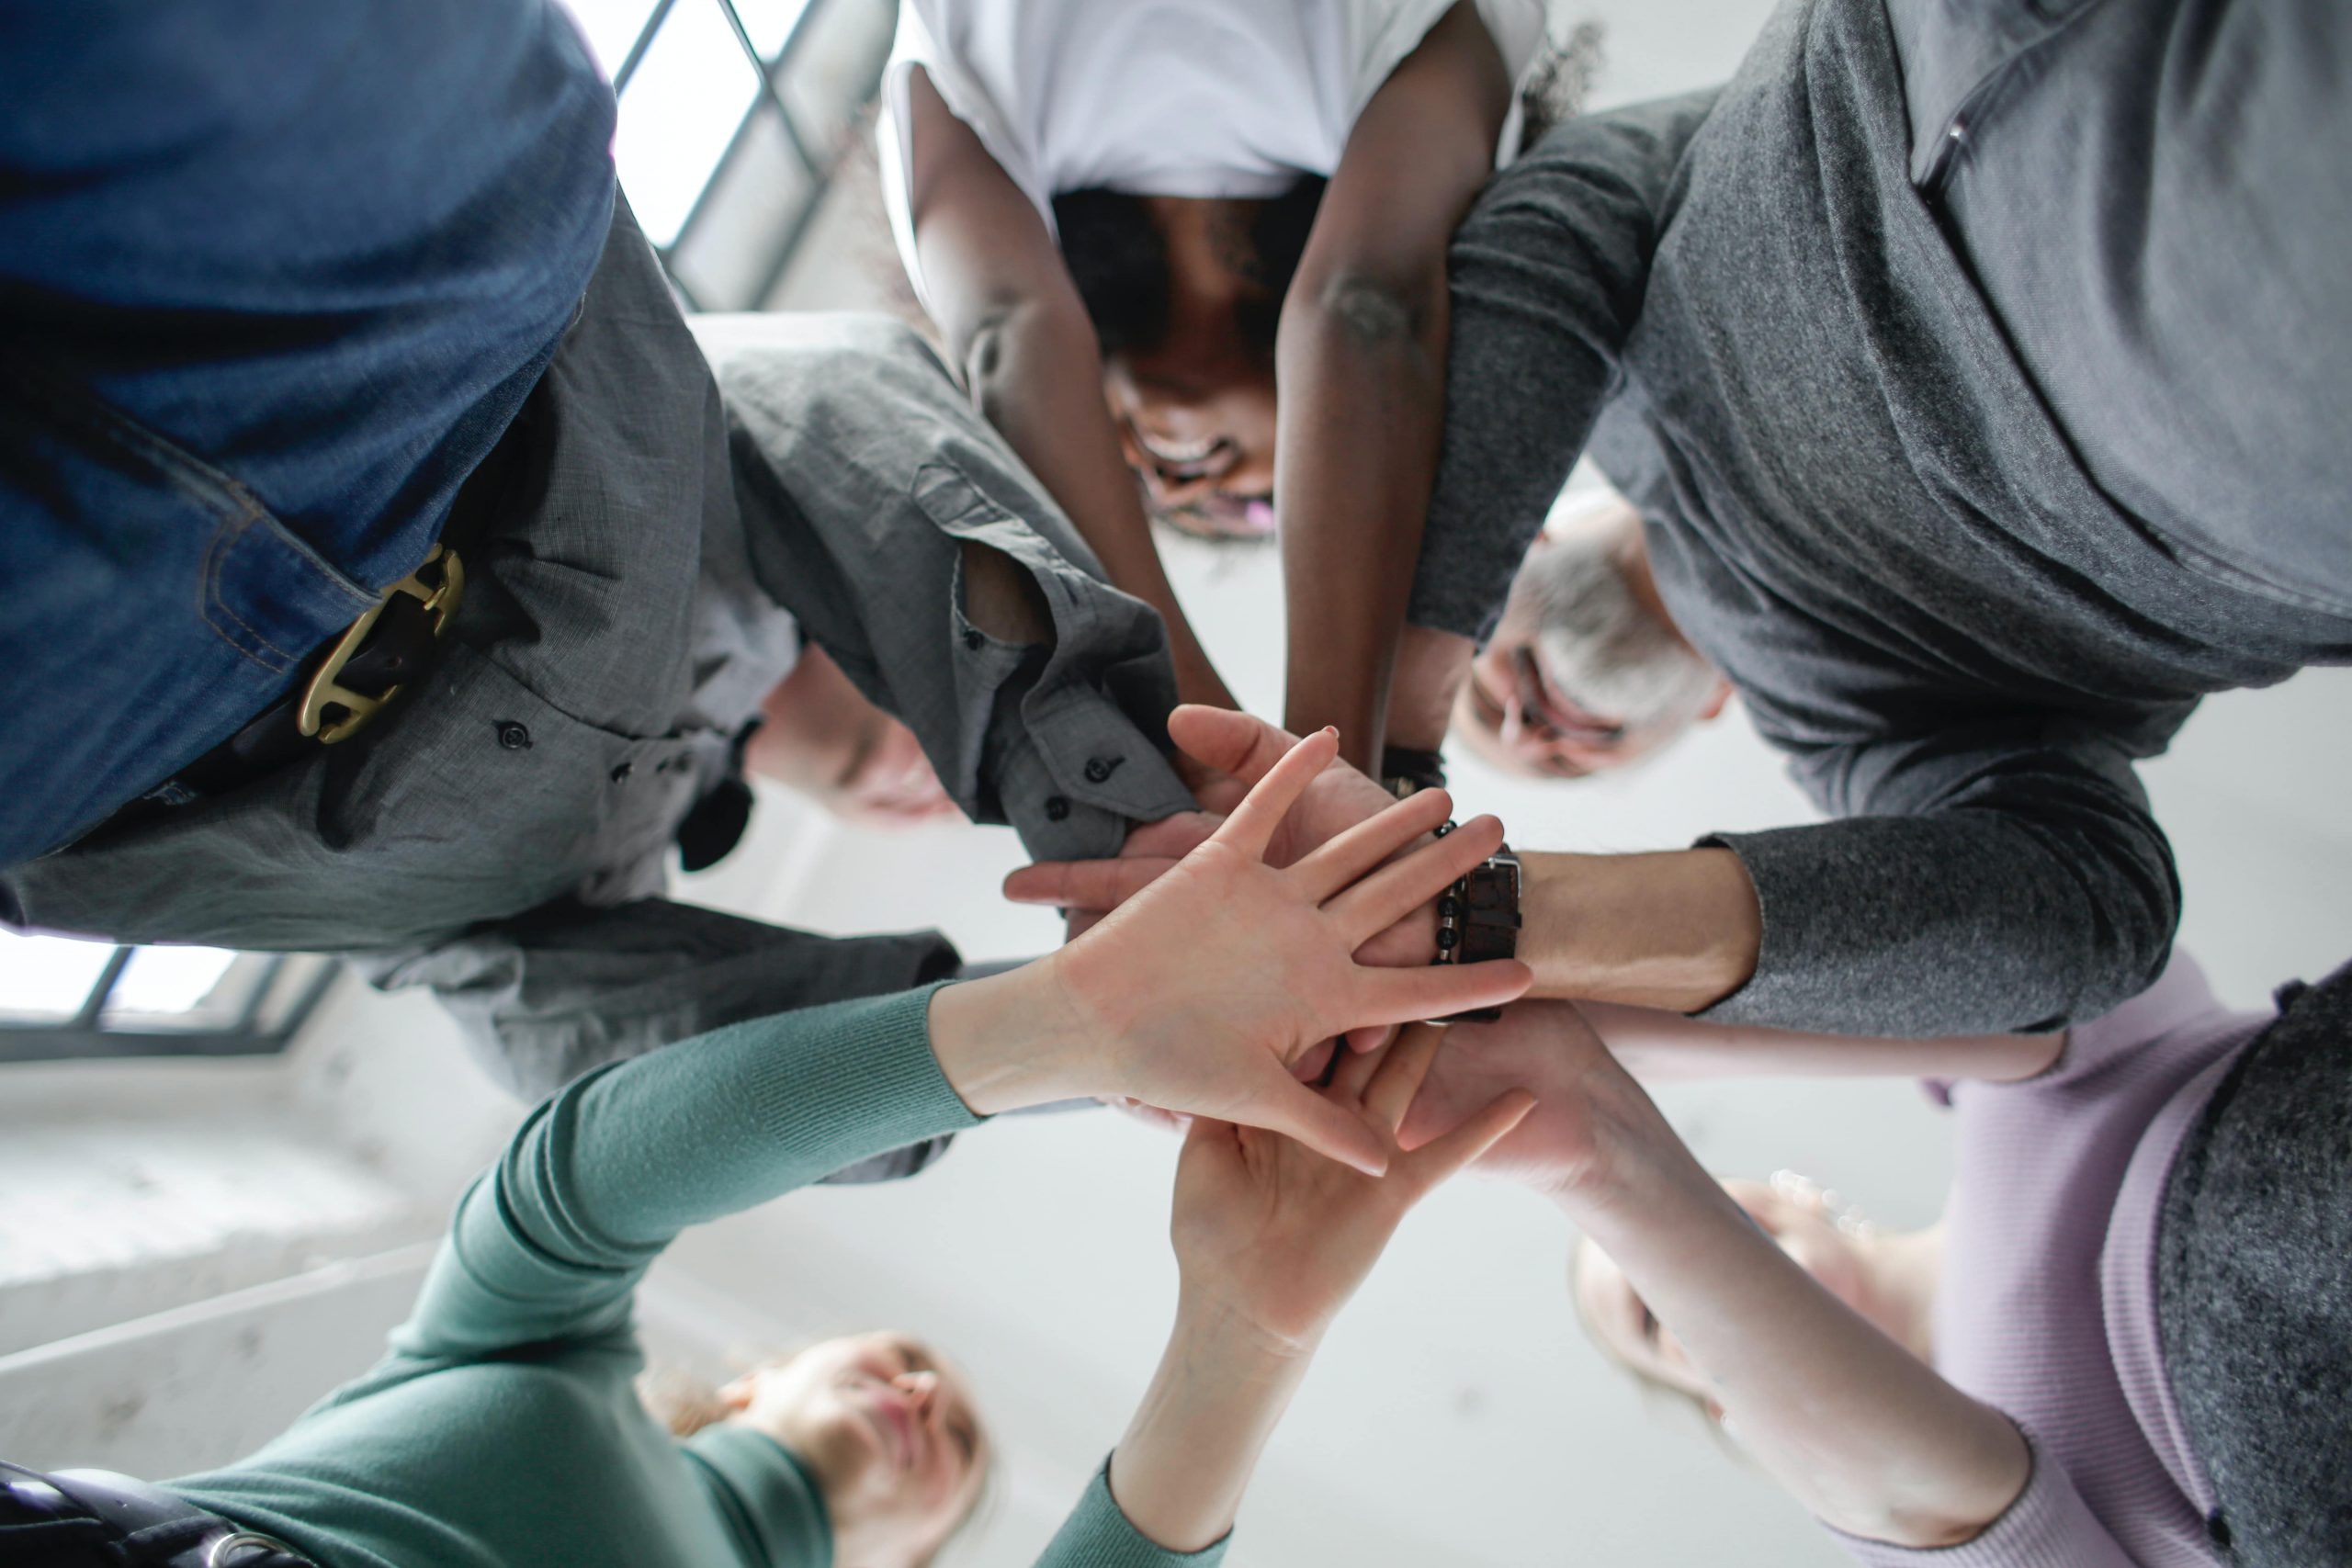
pixel 1097 1535
pixel 549 1244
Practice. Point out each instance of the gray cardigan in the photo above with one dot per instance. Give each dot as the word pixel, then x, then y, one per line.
pixel 1861 507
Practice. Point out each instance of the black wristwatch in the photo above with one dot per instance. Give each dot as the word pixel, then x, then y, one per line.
pixel 1477 919
pixel 1404 770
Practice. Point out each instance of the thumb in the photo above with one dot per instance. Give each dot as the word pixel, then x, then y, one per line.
pixel 1232 742
pixel 1095 885
pixel 1280 1103
pixel 1441 1158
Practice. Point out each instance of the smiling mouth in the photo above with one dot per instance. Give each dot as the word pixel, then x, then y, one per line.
pixel 1541 703
pixel 1181 461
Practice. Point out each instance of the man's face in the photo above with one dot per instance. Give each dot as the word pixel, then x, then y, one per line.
pixel 1582 675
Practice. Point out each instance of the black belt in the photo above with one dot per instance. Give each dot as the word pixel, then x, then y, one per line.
pixel 82 1518
pixel 387 648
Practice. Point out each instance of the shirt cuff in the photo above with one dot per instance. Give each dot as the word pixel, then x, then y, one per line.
pixel 2048 1523
pixel 1097 1535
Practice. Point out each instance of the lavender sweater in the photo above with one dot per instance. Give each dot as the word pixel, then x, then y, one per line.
pixel 2046 1309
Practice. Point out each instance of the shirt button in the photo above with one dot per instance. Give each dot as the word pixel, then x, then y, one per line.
pixel 1056 808
pixel 623 772
pixel 512 736
pixel 1099 768
pixel 973 639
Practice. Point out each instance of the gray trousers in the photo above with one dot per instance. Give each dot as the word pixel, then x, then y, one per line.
pixel 2253 1288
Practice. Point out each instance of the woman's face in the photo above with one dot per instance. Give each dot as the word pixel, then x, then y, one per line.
pixel 1794 1216
pixel 889 1430
pixel 1196 421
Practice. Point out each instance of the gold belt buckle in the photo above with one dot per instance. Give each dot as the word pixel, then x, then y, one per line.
pixel 440 602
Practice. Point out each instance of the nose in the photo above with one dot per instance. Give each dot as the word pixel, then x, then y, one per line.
pixel 921 1389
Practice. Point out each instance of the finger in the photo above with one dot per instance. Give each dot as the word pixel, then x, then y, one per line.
pixel 1353 1075
pixel 1251 827
pixel 1371 1037
pixel 1172 836
pixel 1403 1071
pixel 1095 885
pixel 1397 890
pixel 1441 1158
pixel 1286 1106
pixel 1241 744
pixel 1434 990
pixel 1343 859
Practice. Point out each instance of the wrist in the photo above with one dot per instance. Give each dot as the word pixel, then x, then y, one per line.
pixel 1012 1040
pixel 1679 930
pixel 1217 1326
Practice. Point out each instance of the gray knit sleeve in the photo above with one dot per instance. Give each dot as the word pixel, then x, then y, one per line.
pixel 1547 280
pixel 1983 879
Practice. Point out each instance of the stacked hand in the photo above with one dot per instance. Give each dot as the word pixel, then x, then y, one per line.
pixel 1200 993
pixel 1280 1237
pixel 1592 1120
pixel 1234 751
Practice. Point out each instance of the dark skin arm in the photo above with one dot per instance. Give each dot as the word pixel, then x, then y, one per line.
pixel 1361 360
pixel 1002 298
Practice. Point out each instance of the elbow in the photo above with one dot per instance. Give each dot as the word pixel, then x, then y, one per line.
pixel 1371 312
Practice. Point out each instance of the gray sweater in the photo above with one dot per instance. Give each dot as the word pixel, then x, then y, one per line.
pixel 1861 506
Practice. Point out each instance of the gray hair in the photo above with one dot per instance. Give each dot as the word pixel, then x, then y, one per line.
pixel 1608 653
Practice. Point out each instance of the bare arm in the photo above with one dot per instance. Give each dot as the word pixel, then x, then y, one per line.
pixel 1657 1046
pixel 1014 324
pixel 1360 359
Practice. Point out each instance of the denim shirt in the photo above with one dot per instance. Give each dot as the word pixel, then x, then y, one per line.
pixel 275 277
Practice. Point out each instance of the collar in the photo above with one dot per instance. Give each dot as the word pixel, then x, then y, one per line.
pixel 772 1504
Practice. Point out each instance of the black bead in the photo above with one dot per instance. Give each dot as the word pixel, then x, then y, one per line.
pixel 512 736
pixel 1447 938
pixel 1449 907
pixel 1056 808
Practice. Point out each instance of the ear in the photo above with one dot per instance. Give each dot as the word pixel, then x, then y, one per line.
pixel 1715 703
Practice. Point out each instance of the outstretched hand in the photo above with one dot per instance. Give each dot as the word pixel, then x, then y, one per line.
pixel 1199 996
pixel 1234 751
pixel 1279 1236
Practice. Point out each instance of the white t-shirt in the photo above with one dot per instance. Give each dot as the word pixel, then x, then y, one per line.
pixel 1162 97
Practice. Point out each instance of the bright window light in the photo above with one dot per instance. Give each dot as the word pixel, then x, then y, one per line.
pixel 48 977
pixel 169 980
pixel 611 26
pixel 769 22
pixel 680 111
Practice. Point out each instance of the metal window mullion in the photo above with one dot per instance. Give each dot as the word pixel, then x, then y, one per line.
pixel 94 1006
pixel 637 50
pixel 767 73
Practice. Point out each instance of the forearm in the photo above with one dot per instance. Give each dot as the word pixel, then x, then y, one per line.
pixel 1859 1430
pixel 550 1242
pixel 1679 930
pixel 1179 1472
pixel 1036 375
pixel 1431 667
pixel 1658 1046
pixel 1362 371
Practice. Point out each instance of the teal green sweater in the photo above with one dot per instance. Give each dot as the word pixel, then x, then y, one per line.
pixel 503 1431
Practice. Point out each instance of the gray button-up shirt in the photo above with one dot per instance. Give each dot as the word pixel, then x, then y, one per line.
pixel 502 833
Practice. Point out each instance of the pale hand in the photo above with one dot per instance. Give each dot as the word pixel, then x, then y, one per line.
pixel 1201 995
pixel 1590 1113
pixel 1279 1237
pixel 1232 753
